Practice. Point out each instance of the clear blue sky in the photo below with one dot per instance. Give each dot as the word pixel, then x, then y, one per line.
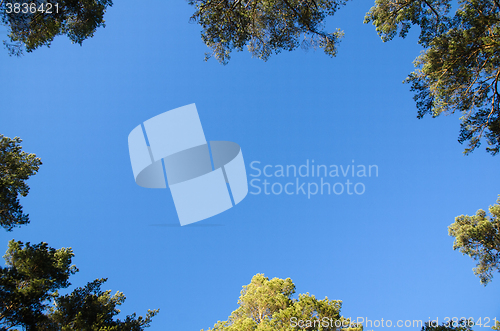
pixel 385 253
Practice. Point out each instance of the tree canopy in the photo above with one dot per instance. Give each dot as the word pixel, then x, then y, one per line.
pixel 459 68
pixel 33 274
pixel 32 277
pixel 458 71
pixel 267 305
pixel 16 166
pixel 29 294
pixel 35 23
pixel 265 26
pixel 478 236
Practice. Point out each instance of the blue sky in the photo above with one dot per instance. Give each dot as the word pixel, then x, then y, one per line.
pixel 385 253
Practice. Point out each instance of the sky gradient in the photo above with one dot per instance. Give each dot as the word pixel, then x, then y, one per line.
pixel 386 253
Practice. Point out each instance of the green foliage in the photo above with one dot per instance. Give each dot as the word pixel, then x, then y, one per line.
pixel 267 305
pixel 478 236
pixel 460 67
pixel 29 294
pixel 16 167
pixel 89 308
pixel 33 274
pixel 265 26
pixel 393 16
pixel 78 19
pixel 32 277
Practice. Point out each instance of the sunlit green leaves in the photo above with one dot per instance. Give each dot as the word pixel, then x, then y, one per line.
pixel 460 67
pixel 391 17
pixel 478 236
pixel 267 305
pixel 265 26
